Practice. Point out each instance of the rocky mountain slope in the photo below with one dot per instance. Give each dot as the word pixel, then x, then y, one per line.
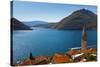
pixel 18 25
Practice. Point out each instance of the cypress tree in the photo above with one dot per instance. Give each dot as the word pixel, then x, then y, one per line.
pixel 31 57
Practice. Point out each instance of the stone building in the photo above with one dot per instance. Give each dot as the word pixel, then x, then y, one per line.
pixel 84 39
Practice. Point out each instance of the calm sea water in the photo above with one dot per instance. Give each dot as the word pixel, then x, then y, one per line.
pixel 47 41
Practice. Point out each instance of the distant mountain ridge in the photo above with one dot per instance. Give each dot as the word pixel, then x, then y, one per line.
pixel 18 25
pixel 46 25
pixel 33 23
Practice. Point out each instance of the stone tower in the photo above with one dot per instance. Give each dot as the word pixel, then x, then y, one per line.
pixel 84 39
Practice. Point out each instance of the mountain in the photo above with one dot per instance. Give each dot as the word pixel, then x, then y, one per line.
pixel 46 25
pixel 18 25
pixel 77 19
pixel 33 23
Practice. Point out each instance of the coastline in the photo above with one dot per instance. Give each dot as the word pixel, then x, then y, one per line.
pixel 70 56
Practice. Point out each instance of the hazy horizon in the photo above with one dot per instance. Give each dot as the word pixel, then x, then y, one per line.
pixel 48 12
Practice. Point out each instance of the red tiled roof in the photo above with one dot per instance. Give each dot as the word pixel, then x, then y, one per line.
pixel 59 58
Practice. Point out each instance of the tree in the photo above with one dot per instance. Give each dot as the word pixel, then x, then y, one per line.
pixel 31 57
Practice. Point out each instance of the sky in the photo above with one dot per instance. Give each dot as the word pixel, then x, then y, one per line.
pixel 48 12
